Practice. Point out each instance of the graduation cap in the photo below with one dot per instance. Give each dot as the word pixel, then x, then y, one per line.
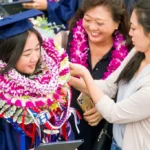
pixel 17 24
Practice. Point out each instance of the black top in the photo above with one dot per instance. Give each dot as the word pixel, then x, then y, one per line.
pixel 88 133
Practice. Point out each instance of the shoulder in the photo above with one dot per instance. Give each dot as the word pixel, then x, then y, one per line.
pixel 144 80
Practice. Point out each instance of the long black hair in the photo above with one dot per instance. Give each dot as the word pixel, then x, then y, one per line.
pixel 12 48
pixel 142 10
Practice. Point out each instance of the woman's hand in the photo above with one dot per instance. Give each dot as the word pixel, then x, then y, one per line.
pixel 78 83
pixel 37 4
pixel 90 87
pixel 78 70
pixel 93 117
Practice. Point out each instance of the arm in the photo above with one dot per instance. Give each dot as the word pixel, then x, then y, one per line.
pixel 108 86
pixel 95 93
pixel 37 4
pixel 79 84
pixel 58 12
pixel 134 108
pixel 93 116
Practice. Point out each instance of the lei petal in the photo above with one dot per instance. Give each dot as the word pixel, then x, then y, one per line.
pixel 55 74
pixel 79 49
pixel 42 91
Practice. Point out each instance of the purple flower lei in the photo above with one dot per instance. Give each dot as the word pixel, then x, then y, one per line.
pixel 79 49
pixel 25 92
pixel 42 99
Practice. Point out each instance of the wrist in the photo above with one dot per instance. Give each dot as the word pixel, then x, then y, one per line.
pixel 84 73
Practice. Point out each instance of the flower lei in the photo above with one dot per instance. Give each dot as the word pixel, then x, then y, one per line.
pixel 41 98
pixel 79 49
pixel 46 29
pixel 42 24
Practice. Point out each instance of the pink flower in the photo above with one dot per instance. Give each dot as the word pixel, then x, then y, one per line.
pixel 39 103
pixel 64 72
pixel 79 49
pixel 29 104
pixel 18 103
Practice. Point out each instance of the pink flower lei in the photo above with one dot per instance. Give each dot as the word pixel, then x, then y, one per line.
pixel 42 99
pixel 79 49
pixel 42 84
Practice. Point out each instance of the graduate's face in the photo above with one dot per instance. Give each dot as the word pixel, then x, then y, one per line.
pixel 140 40
pixel 30 55
pixel 99 24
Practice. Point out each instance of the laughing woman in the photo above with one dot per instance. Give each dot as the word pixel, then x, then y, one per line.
pixel 99 40
pixel 131 82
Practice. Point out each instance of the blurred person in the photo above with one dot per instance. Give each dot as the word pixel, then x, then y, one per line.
pixel 58 11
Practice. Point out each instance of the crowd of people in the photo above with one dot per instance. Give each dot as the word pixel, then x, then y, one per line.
pixel 104 62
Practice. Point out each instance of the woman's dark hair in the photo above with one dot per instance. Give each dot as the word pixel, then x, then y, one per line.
pixel 142 10
pixel 12 48
pixel 117 9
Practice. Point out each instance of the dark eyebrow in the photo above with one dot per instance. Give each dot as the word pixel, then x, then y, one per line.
pixel 131 23
pixel 26 50
pixel 96 18
pixel 88 15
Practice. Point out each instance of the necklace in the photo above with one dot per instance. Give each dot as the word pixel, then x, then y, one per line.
pixel 40 99
pixel 79 49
